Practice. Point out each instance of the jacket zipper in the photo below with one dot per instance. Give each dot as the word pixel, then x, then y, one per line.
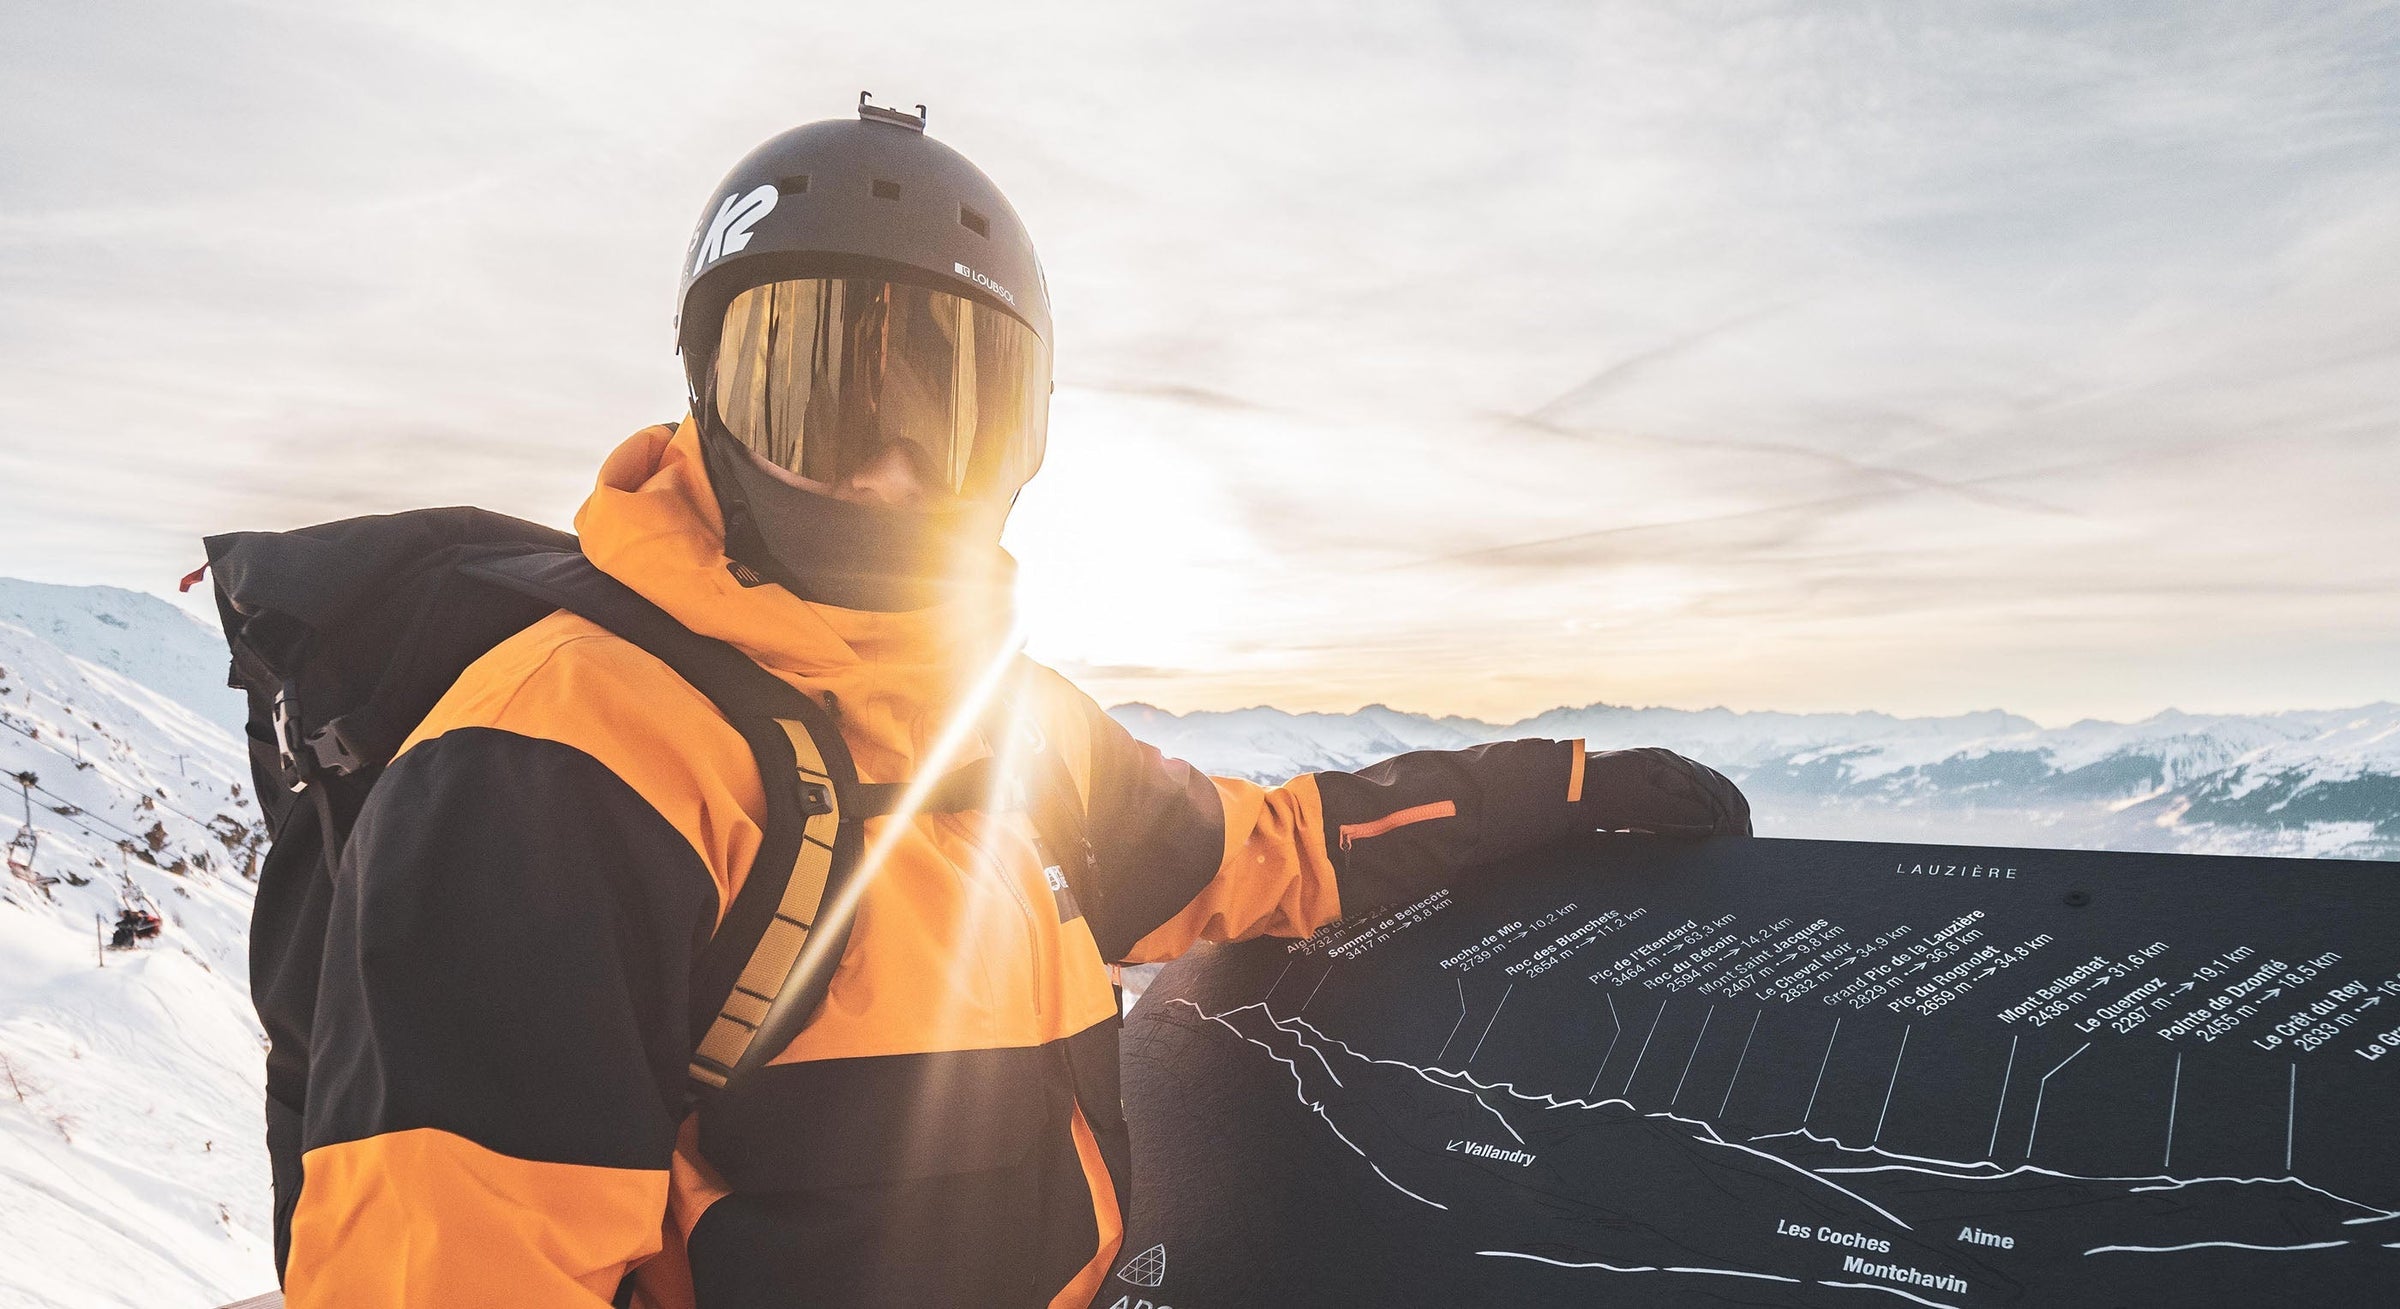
pixel 1399 818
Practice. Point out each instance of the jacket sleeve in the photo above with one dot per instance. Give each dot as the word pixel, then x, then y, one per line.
pixel 1183 857
pixel 500 1035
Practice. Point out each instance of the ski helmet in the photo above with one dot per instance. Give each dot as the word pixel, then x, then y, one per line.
pixel 854 286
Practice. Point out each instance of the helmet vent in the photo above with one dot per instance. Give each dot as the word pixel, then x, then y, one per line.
pixel 974 222
pixel 793 185
pixel 886 190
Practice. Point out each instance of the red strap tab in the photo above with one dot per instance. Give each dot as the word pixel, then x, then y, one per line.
pixel 191 579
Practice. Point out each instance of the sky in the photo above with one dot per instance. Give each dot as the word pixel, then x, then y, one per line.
pixel 1466 358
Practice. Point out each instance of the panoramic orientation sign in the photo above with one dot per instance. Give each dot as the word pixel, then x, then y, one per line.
pixel 1766 1072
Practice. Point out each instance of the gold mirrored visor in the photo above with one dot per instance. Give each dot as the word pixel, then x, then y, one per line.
pixel 827 376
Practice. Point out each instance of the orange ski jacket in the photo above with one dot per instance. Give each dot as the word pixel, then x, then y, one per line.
pixel 495 1109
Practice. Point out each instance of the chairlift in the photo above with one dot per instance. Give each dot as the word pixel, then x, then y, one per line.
pixel 21 848
pixel 138 918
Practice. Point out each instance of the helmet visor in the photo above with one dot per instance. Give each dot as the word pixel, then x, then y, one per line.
pixel 824 376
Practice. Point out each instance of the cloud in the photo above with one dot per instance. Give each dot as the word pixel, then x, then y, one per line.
pixel 1466 358
pixel 1180 393
pixel 1866 473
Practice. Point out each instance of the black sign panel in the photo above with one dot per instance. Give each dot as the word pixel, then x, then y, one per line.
pixel 1787 1073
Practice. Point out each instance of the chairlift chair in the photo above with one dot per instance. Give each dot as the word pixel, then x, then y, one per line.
pixel 21 848
pixel 26 841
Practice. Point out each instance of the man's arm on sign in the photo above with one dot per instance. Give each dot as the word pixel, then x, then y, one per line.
pixel 1183 857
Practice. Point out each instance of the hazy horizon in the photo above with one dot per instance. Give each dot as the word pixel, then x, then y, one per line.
pixel 1565 706
pixel 1485 361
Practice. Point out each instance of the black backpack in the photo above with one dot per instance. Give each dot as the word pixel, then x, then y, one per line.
pixel 344 635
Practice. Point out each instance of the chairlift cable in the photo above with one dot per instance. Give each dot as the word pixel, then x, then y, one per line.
pixel 68 754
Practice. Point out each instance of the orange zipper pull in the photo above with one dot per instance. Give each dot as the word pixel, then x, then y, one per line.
pixel 1398 818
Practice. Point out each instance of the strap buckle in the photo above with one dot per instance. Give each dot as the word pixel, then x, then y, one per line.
pixel 335 753
pixel 287 751
pixel 328 751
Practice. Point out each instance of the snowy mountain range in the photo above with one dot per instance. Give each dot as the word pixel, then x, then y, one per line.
pixel 2320 783
pixel 132 1165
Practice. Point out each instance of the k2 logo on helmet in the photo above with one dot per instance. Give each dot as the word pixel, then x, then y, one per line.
pixel 729 231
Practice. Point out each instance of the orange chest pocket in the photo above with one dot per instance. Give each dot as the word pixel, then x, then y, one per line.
pixel 957 945
pixel 1009 911
pixel 1034 936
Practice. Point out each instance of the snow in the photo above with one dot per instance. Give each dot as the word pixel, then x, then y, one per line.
pixel 133 1164
pixel 1266 742
pixel 139 637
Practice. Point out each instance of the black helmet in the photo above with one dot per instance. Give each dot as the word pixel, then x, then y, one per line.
pixel 855 287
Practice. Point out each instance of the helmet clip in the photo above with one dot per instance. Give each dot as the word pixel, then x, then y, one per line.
pixel 875 113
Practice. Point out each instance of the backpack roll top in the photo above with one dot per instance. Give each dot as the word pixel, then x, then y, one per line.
pixel 343 635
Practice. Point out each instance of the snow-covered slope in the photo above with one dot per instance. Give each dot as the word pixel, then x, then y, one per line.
pixel 2319 782
pixel 132 1161
pixel 138 636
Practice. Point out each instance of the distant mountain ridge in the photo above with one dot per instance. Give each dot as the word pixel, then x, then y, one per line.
pixel 134 634
pixel 2322 783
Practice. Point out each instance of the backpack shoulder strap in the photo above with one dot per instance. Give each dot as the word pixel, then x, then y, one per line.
pixel 764 972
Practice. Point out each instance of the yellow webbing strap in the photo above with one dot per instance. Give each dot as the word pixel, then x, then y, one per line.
pixel 774 965
pixel 774 973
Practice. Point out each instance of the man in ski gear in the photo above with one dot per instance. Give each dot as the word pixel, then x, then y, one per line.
pixel 497 1109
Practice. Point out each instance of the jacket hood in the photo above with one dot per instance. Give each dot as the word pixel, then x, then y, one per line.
pixel 652 523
